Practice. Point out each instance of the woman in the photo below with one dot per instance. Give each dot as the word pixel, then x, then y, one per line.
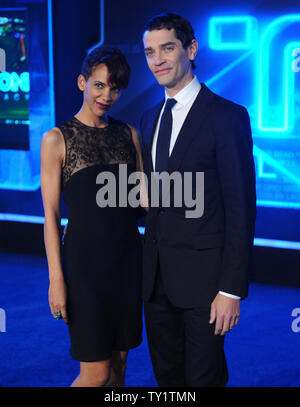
pixel 97 291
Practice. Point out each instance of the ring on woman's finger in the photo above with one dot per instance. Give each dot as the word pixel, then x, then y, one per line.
pixel 57 315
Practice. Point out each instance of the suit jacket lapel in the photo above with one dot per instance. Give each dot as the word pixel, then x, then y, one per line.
pixel 189 130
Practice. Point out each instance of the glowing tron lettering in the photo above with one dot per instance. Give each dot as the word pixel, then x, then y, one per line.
pixel 14 82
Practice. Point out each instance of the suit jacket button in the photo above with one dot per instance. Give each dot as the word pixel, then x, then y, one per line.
pixel 154 240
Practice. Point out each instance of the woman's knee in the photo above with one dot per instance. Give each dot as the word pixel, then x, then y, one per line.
pixel 101 379
pixel 97 373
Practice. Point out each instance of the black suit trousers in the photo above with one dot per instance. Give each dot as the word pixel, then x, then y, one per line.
pixel 183 347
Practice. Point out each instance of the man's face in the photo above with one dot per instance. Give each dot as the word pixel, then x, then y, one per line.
pixel 169 62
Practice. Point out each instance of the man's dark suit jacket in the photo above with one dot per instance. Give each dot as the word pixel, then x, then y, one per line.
pixel 198 257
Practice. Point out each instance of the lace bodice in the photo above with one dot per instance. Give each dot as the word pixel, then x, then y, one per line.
pixel 87 146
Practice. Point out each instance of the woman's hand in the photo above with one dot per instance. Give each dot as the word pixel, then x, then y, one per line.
pixel 58 298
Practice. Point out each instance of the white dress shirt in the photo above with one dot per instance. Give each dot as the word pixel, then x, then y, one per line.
pixel 185 99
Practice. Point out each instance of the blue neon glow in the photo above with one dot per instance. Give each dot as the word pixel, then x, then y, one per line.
pixel 217 26
pixel 227 69
pixel 22 168
pixel 289 85
pixel 278 204
pixel 269 114
pixel 281 169
pixel 271 118
pixel 279 244
pixel 102 28
pixel 12 82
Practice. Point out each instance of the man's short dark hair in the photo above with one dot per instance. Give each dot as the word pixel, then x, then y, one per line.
pixel 182 27
pixel 115 61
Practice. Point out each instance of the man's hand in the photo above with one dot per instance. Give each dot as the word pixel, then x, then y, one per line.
pixel 225 312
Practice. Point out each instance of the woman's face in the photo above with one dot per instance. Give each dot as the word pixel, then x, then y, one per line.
pixel 99 94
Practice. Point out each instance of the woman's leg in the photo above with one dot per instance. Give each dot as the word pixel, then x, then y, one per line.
pixel 117 369
pixel 93 374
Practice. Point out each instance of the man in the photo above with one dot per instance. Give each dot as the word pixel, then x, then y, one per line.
pixel 195 269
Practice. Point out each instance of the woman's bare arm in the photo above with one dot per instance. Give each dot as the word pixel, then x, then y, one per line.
pixel 52 156
pixel 143 187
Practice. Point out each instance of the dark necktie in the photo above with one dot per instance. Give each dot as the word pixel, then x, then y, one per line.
pixel 164 137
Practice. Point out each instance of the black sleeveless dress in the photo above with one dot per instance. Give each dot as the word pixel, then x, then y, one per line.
pixel 102 247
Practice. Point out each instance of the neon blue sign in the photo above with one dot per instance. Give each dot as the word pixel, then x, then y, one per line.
pixel 20 169
pixel 275 108
pixel 272 116
pixel 14 82
pixel 223 32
